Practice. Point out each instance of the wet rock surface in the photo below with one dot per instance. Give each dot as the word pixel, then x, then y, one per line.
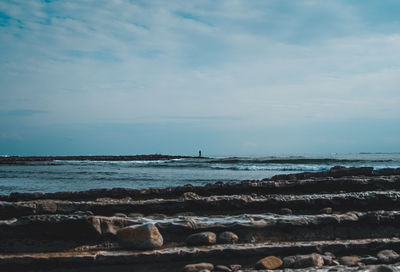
pixel 344 219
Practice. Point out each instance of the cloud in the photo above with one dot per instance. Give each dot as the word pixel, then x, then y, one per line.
pixel 223 64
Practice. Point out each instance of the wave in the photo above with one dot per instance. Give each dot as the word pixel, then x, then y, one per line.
pixel 87 162
pixel 289 163
pixel 295 160
pixel 273 168
pixel 233 160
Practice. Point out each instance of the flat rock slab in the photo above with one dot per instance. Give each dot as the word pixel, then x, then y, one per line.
pixel 368 200
pixel 193 254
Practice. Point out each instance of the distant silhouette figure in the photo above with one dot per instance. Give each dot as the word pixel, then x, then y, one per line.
pixel 199 153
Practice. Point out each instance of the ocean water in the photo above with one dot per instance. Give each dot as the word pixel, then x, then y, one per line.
pixel 57 176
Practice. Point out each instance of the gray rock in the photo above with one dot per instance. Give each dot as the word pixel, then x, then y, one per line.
pixel 227 237
pixel 303 261
pixel 144 236
pixel 198 267
pixel 201 238
pixel 388 256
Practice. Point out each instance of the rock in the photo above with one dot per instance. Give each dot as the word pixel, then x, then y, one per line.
pixel 46 206
pixel 382 268
pixel 235 267
pixel 227 237
pixel 198 267
pixel 222 268
pixel 270 262
pixel 190 196
pixel 349 260
pixel 202 238
pixel 286 211
pixel 144 236
pixel 288 261
pixel 327 210
pixel 368 259
pixel 388 256
pixel 303 261
pixel 340 171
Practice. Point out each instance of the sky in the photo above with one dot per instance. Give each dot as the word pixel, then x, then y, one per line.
pixel 228 77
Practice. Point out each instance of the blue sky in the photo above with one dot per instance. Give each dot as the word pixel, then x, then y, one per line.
pixel 227 77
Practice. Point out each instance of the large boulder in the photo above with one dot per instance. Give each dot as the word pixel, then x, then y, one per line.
pixel 303 261
pixel 270 263
pixel 388 256
pixel 202 238
pixel 144 236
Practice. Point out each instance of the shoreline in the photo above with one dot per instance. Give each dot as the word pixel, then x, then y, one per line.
pixel 343 218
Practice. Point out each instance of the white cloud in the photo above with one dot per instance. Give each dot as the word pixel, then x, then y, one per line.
pixel 230 58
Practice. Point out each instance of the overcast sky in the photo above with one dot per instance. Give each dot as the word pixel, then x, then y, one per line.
pixel 228 77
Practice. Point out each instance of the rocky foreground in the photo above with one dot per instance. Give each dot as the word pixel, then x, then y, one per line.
pixel 345 219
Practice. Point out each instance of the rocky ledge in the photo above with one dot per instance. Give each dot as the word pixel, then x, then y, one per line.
pixel 344 219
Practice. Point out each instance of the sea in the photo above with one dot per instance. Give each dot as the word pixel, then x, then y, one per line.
pixel 57 175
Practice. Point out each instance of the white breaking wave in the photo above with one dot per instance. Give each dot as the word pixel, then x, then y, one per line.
pixel 109 162
pixel 273 167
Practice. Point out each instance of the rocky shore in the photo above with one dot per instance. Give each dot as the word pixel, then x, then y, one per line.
pixel 344 219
